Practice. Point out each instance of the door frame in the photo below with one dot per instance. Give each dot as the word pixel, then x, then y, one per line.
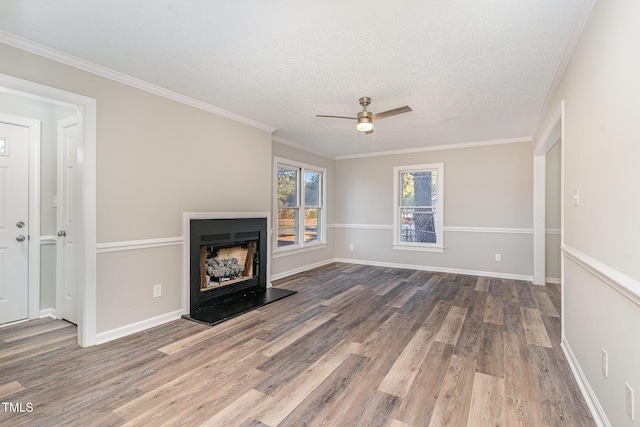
pixel 551 135
pixel 86 253
pixel 33 173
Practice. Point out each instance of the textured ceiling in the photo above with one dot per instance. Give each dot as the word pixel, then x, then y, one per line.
pixel 475 70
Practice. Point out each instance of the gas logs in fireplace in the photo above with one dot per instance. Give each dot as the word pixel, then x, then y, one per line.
pixel 228 266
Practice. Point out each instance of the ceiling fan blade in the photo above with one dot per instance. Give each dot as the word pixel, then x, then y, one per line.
pixel 336 117
pixel 393 112
pixel 368 132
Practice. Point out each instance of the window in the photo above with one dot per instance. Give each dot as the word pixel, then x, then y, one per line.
pixel 418 200
pixel 299 205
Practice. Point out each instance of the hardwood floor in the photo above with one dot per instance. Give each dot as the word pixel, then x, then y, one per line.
pixel 357 345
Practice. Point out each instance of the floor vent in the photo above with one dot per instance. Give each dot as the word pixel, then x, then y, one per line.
pixel 160 328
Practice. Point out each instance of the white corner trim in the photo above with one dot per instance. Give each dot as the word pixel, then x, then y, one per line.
pixel 132 328
pixel 440 147
pixel 599 416
pixel 438 269
pixel 131 245
pixel 301 269
pixel 624 284
pixel 99 70
pixel 48 312
pixel 48 240
pixel 500 230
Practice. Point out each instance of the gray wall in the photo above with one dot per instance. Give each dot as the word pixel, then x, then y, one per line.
pixel 487 189
pixel 156 158
pixel 601 93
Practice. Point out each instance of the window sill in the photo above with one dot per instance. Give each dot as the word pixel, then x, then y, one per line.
pixel 418 248
pixel 294 251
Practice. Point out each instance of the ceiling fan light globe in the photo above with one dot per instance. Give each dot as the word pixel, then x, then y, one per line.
pixel 364 124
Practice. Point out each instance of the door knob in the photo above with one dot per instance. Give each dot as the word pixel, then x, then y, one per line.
pixel 20 238
pixel 20 224
pixel 62 233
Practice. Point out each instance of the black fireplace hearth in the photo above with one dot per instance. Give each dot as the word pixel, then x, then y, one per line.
pixel 228 271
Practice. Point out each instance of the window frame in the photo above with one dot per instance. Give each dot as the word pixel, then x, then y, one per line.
pixel 301 245
pixel 438 246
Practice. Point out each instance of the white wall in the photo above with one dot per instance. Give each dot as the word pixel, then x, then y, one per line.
pixel 487 189
pixel 156 158
pixel 601 90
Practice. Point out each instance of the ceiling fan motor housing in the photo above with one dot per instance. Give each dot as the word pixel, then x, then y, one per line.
pixel 364 101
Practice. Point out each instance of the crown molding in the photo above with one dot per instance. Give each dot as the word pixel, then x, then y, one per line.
pixel 441 147
pixel 99 70
pixel 581 23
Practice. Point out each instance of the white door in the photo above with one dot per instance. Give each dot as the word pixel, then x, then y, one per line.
pixel 14 226
pixel 69 134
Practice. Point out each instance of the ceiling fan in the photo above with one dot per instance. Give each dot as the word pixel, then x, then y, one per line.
pixel 365 118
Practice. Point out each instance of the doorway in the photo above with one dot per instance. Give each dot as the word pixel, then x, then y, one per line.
pixel 552 137
pixel 19 160
pixel 83 269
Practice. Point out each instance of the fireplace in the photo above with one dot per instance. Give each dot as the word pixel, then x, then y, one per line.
pixel 228 268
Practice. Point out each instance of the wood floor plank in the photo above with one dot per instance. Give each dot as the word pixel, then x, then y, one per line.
pixel 401 299
pixel 544 304
pixel 370 358
pixel 468 343
pixel 494 310
pixel 10 388
pixel 317 408
pixel 450 329
pixel 418 404
pixel 294 335
pixel 43 329
pixel 487 401
pixel 491 352
pixel 534 328
pixel 208 333
pixel 400 377
pixel 452 407
pixel 520 394
pixel 238 411
pixel 510 292
pixel 297 391
pixel 482 284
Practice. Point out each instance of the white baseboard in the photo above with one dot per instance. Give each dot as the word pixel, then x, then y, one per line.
pixel 587 392
pixel 301 269
pixel 554 280
pixel 497 275
pixel 123 331
pixel 48 312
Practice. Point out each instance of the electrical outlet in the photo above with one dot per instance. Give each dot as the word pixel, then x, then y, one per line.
pixel 605 363
pixel 350 246
pixel 157 291
pixel 630 408
pixel 498 257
